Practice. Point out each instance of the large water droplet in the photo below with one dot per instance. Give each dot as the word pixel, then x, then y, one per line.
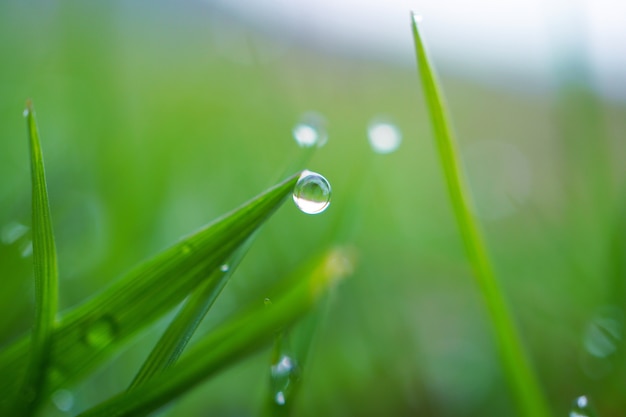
pixel 63 400
pixel 224 268
pixel 310 130
pixel 582 408
pixel 267 302
pixel 384 137
pixel 284 373
pixel 312 193
pixel 101 332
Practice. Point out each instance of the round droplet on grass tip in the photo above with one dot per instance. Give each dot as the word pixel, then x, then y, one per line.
pixel 384 137
pixel 312 193
pixel 310 130
pixel 224 268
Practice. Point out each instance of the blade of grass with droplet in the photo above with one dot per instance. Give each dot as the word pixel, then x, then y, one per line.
pixel 231 341
pixel 90 333
pixel 520 375
pixel 46 278
pixel 180 331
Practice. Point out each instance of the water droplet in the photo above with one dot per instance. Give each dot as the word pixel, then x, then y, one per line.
pixel 63 400
pixel 310 130
pixel 267 302
pixel 224 268
pixel 384 136
pixel 604 332
pixel 11 232
pixel 284 373
pixel 185 249
pixel 27 249
pixel 312 193
pixel 582 408
pixel 417 17
pixel 101 332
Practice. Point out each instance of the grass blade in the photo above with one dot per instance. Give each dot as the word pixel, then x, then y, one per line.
pixel 46 278
pixel 231 341
pixel 178 334
pixel 90 333
pixel 523 381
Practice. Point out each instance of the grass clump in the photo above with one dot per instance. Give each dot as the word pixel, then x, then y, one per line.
pixel 197 268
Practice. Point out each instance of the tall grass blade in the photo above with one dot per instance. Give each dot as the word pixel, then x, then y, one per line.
pixel 46 278
pixel 231 341
pixel 90 333
pixel 520 376
pixel 180 331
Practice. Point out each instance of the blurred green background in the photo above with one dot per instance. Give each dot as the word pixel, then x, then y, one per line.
pixel 158 117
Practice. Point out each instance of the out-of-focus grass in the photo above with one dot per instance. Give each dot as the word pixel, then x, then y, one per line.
pixel 409 334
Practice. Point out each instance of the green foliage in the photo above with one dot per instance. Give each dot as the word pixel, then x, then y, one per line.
pixel 520 375
pixel 46 278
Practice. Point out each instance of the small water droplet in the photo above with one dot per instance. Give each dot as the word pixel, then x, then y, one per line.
pixel 267 302
pixel 384 137
pixel 185 249
pixel 101 332
pixel 284 373
pixel 582 408
pixel 11 232
pixel 310 130
pixel 63 400
pixel 224 268
pixel 604 332
pixel 25 112
pixel 27 249
pixel 417 17
pixel 312 193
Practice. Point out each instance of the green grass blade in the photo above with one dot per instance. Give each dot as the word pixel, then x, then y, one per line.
pixel 231 341
pixel 90 333
pixel 520 376
pixel 46 277
pixel 178 334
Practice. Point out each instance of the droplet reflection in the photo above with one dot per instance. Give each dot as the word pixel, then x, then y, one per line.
pixel 284 373
pixel 63 400
pixel 582 408
pixel 384 137
pixel 310 130
pixel 604 332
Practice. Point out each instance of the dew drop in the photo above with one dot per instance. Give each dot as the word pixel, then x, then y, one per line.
pixel 27 249
pixel 11 232
pixel 224 268
pixel 101 332
pixel 312 193
pixel 185 249
pixel 384 137
pixel 267 302
pixel 63 400
pixel 582 408
pixel 604 332
pixel 284 373
pixel 310 130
